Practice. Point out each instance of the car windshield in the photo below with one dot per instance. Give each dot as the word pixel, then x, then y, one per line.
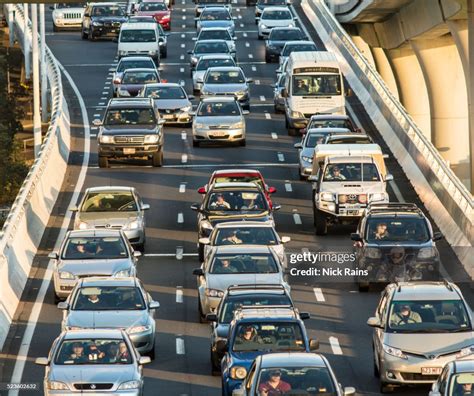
pixel 236 201
pixel 70 5
pixel 212 1
pixel 240 179
pixel 225 77
pixel 269 337
pixel 215 15
pixel 165 93
pixel 352 171
pixel 462 384
pixel 100 248
pixel 137 36
pixel 397 229
pixel 93 351
pixel 109 201
pixel 211 48
pixel 108 298
pixel 107 11
pixel 153 7
pixel 313 139
pixel 277 14
pixel 298 48
pixel 330 124
pixel 215 35
pixel 428 316
pixel 286 35
pixel 226 312
pixel 205 64
pixel 296 381
pixel 138 78
pixel 271 2
pixel 246 236
pixel 226 264
pixel 143 116
pixel 218 109
pixel 349 140
pixel 135 64
pixel 317 85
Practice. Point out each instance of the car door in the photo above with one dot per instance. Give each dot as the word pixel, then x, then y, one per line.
pixel 250 382
pixel 378 334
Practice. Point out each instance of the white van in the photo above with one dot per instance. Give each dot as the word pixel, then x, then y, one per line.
pixel 139 39
pixel 314 85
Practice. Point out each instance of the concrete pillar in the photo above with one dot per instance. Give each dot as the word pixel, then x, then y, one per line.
pixel 26 45
pixel 385 70
pixel 11 29
pixel 44 80
pixel 36 81
pixel 442 70
pixel 470 82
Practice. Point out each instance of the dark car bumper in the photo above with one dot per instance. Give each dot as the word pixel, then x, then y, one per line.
pixel 118 151
pixel 105 31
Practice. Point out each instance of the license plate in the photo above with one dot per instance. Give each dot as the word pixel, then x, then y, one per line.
pixel 353 212
pixel 129 151
pixel 112 30
pixel 219 133
pixel 431 370
pixel 168 116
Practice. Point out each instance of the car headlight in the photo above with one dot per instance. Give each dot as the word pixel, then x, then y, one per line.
pixel 194 59
pixel 66 275
pixel 238 372
pixel 130 385
pixel 96 23
pixel 58 14
pixel 135 224
pixel 291 25
pixel 206 225
pixel 428 252
pixel 122 274
pixel 326 196
pixel 123 92
pixel 466 351
pixel 241 93
pixel 138 329
pixel 263 26
pixel 307 159
pixel 373 253
pixel 122 53
pixel 377 197
pixel 106 139
pixel 200 126
pixel 214 293
pixel 57 385
pixel 297 114
pixel 152 52
pixel 394 352
pixel 237 125
pixel 83 225
pixel 151 138
pixel 186 109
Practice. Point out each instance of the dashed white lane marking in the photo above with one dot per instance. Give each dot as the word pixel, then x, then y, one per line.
pixel 297 218
pixel 183 26
pixel 244 34
pixel 93 135
pixel 94 128
pixel 103 98
pixel 181 57
pixel 182 188
pixel 288 186
pixel 179 294
pixel 239 16
pixel 274 136
pixel 108 83
pixel 101 103
pixel 336 348
pixel 242 25
pixel 108 78
pixel 184 158
pixel 179 252
pixel 184 136
pixel 247 44
pixel 179 346
pixel 183 36
pixel 250 56
pixel 237 9
pixel 180 218
pixel 254 68
pixel 184 17
pixel 257 82
pixel 96 115
pixel 268 116
pixel 105 92
pixel 262 98
pixel 318 293
pixel 281 157
pixel 169 255
pixel 181 69
pixel 183 45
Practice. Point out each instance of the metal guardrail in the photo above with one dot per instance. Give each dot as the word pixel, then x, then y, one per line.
pixel 17 211
pixel 451 192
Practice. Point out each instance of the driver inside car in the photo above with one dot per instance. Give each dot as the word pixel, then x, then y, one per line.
pixel 405 316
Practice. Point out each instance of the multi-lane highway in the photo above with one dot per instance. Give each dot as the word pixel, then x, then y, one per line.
pixel 182 367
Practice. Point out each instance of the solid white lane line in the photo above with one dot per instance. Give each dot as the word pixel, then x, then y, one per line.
pixel 254 68
pixel 36 309
pixel 336 348
pixel 179 294
pixel 182 188
pixel 297 218
pixel 179 346
pixel 180 218
pixel 179 252
pixel 262 98
pixel 184 136
pixel 288 186
pixel 274 136
pixel 318 293
pixel 281 157
pixel 268 116
pixel 211 166
pixel 184 158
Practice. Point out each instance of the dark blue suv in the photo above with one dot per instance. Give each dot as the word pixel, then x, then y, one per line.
pixel 258 330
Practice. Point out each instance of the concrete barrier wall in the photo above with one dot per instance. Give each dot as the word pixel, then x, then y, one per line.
pixel 446 198
pixel 29 215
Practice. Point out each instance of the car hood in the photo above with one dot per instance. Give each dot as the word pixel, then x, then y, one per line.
pixel 353 187
pixel 171 103
pixel 246 359
pixel 429 344
pixel 113 219
pixel 129 129
pixel 218 23
pixel 224 88
pixel 307 152
pixel 276 22
pixel 223 281
pixel 277 43
pixel 221 121
pixel 199 54
pixel 259 216
pixel 91 267
pixel 106 373
pixel 107 319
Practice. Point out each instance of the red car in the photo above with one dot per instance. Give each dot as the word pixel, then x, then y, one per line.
pixel 240 176
pixel 158 10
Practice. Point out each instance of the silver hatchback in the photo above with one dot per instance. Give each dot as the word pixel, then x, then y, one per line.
pixel 93 362
pixel 119 303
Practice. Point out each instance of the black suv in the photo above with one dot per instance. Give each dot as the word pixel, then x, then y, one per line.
pixel 102 20
pixel 277 39
pixel 131 128
pixel 237 297
pixel 395 242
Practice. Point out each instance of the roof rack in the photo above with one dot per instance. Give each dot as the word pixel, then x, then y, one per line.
pixel 390 206
pixel 287 306
pixel 448 285
pixel 265 286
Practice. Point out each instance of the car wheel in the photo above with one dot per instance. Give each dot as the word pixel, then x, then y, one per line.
pixel 164 54
pixel 243 143
pixel 151 354
pixel 103 162
pixel 320 223
pixel 215 369
pixel 57 299
pixel 302 178
pixel 385 388
pixel 201 252
pixel 141 247
pixel 84 35
pixel 90 35
pixel 196 143
pixel 157 159
pixel 268 59
pixel 260 37
pixel 55 28
pixel 376 369
pixel 202 319
pixel 291 131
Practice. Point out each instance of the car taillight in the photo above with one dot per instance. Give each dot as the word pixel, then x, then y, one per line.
pixel 363 198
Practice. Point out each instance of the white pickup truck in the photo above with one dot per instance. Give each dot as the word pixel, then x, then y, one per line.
pixel 346 178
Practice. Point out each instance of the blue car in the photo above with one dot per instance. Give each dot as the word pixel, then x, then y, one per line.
pixel 256 331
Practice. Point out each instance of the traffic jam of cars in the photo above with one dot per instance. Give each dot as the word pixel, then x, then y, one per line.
pixel 422 326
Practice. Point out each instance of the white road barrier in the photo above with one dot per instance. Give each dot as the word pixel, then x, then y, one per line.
pixel 449 202
pixel 29 215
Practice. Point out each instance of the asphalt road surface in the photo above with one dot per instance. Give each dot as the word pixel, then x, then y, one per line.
pixel 182 366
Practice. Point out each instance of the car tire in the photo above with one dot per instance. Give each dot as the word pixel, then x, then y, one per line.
pixel 164 54
pixel 196 143
pixel 157 159
pixel 57 299
pixel 376 370
pixel 267 59
pixel 260 37
pixel 141 247
pixel 201 252
pixel 321 223
pixel 302 178
pixel 243 143
pixel 385 388
pixel 291 131
pixel 103 162
pixel 215 369
pixel 202 319
pixel 151 353
pixel 55 28
pixel 84 35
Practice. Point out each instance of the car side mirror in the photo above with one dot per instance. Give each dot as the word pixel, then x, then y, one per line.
pixel 272 190
pixel 198 272
pixel 313 345
pixel 304 315
pixel 53 255
pixel 97 122
pixel 137 253
pixel 388 177
pixel 191 97
pixel 202 190
pixel 313 178
pixel 115 40
pixel 298 145
pixel 195 207
pixel 355 236
pixel 190 52
pixel 74 208
pixel 374 322
pixel 211 317
pixel 63 305
pixel 284 93
pixel 192 113
pixel 204 241
pixel 221 347
pixel 145 206
pixel 285 239
pixel 245 112
pixel 250 80
pixel 349 391
pixel 437 236
pixel 154 305
pixel 42 361
pixel 144 360
pixel 276 207
pixel 161 122
pixel 234 38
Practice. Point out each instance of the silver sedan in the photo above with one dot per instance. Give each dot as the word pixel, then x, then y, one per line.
pixel 91 253
pixel 120 303
pixel 94 362
pixel 207 61
pixel 219 120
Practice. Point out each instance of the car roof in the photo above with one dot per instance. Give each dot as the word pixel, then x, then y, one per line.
pixel 218 99
pixel 394 209
pixel 244 224
pixel 329 117
pixel 93 333
pixel 292 359
pixel 216 8
pixel 276 8
pixel 107 281
pixel 135 58
pixel 130 102
pixel 238 170
pixel 215 56
pixel 110 188
pixel 163 85
pixel 346 135
pixel 217 186
pixel 208 28
pixel 138 26
pixel 265 312
pixel 299 42
pixel 103 3
pixel 286 27
pixel 328 130
pixel 208 41
pixel 242 249
pixel 342 159
pixel 225 68
pixel 141 69
pixel 255 289
pixel 408 291
pixel 94 232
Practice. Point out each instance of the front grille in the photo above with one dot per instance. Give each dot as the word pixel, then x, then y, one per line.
pixel 72 15
pixel 219 127
pixel 418 377
pixel 351 198
pixel 219 137
pixel 109 227
pixel 93 386
pixel 90 275
pixel 129 139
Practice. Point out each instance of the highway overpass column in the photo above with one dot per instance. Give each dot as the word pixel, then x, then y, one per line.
pixel 470 29
pixel 26 46
pixel 36 78
pixel 44 80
